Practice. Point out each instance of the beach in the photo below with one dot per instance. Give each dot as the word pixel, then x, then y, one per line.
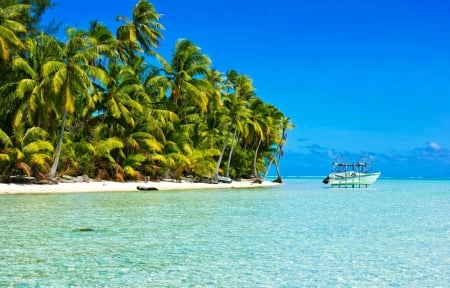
pixel 110 186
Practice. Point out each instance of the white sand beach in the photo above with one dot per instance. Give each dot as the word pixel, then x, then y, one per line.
pixel 109 186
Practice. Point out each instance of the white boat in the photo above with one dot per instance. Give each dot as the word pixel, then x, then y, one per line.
pixel 351 178
pixel 224 179
pixel 351 175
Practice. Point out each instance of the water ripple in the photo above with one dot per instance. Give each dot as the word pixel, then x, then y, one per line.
pixel 299 235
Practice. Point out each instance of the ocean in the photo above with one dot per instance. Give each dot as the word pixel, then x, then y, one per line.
pixel 394 233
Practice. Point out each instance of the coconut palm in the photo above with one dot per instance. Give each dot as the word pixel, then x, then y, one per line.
pixel 207 131
pixel 142 33
pixel 242 92
pixel 176 150
pixel 259 129
pixel 185 77
pixel 26 151
pixel 236 119
pixel 238 91
pixel 123 97
pixel 142 150
pixel 286 124
pixel 33 91
pixel 73 78
pixel 33 19
pixel 77 156
pixel 269 145
pixel 105 43
pixel 10 27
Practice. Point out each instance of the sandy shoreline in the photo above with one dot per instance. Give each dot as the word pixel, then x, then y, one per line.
pixel 109 186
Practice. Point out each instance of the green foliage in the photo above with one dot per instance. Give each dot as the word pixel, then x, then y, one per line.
pixel 113 115
pixel 25 151
pixel 11 28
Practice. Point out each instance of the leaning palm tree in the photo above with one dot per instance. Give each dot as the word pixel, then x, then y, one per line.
pixel 207 130
pixel 241 92
pixel 73 78
pixel 259 128
pixel 284 125
pixel 238 116
pixel 238 91
pixel 271 137
pixel 10 27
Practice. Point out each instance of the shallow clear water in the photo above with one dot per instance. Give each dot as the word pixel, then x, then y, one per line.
pixel 393 234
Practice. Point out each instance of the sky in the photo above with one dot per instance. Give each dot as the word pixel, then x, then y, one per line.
pixel 357 78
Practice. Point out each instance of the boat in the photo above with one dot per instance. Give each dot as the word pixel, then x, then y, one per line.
pixel 353 175
pixel 224 179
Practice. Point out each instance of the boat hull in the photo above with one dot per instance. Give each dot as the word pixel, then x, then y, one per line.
pixel 224 179
pixel 351 179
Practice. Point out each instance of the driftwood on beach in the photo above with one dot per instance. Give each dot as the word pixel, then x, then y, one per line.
pixel 146 188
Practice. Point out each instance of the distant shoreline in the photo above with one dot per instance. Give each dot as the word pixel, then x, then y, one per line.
pixel 110 186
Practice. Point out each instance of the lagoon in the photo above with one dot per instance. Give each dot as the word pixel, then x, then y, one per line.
pixel 301 234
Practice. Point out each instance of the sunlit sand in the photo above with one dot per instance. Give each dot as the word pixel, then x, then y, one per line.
pixel 109 186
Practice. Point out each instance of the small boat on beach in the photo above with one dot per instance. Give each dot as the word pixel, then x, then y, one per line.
pixel 353 175
pixel 224 179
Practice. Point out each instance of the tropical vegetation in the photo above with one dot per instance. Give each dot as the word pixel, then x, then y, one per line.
pixel 97 104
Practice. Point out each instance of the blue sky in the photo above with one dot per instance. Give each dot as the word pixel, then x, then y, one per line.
pixel 356 77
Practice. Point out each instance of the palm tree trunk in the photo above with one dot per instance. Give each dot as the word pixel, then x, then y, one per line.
pixel 231 152
pixel 216 172
pixel 276 159
pixel 58 149
pixel 268 168
pixel 280 153
pixel 277 153
pixel 254 160
pixel 277 167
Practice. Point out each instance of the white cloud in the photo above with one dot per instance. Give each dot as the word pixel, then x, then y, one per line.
pixel 434 146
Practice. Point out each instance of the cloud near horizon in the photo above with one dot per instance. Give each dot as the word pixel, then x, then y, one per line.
pixel 434 145
pixel 430 160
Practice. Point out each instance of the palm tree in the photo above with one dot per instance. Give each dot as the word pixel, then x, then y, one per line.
pixel 77 155
pixel 207 130
pixel 185 76
pixel 260 128
pixel 105 43
pixel 26 151
pixel 238 116
pixel 284 124
pixel 33 91
pixel 238 91
pixel 10 27
pixel 123 97
pixel 73 78
pixel 184 79
pixel 268 136
pixel 177 149
pixel 139 34
pixel 32 19
pixel 242 92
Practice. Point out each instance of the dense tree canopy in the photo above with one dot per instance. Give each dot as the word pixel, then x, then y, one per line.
pixel 93 105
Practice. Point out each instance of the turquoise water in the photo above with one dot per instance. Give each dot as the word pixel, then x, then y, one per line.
pixel 393 234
